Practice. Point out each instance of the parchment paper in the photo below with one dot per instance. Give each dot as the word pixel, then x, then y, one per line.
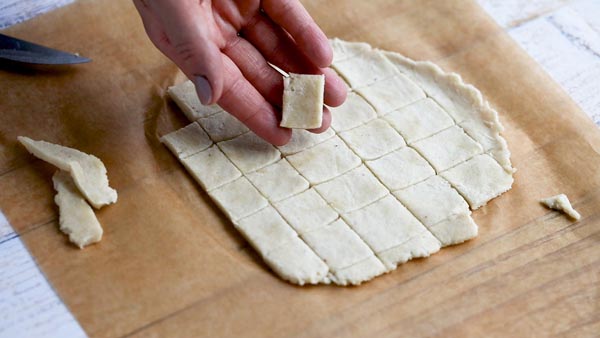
pixel 170 264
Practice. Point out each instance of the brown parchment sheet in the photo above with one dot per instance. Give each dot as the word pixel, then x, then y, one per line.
pixel 170 264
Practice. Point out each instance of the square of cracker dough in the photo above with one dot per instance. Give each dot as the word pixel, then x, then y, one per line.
pixel 186 98
pixel 250 152
pixel 238 199
pixel 352 113
pixel 432 200
pixel 365 69
pixel 421 245
pixel 278 181
pixel 373 139
pixel 296 262
pixel 359 272
pixel 325 160
pixel 337 245
pixel 352 190
pixel 455 229
pixel 306 211
pixel 265 230
pixel 414 168
pixel 303 139
pixel 419 120
pixel 211 168
pixel 187 141
pixel 302 101
pixel 391 94
pixel 222 126
pixel 384 224
pixel 479 180
pixel 447 148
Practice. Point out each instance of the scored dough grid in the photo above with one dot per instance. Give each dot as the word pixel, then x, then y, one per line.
pixel 374 264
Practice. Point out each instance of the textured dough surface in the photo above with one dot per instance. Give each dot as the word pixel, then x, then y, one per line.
pixel 303 101
pixel 410 153
pixel 87 171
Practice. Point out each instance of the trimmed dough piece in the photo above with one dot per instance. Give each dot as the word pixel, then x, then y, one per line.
pixel 338 245
pixel 303 101
pixel 265 230
pixel 186 98
pixel 250 152
pixel 87 171
pixel 187 141
pixel 77 219
pixel 561 203
pixel 325 161
pixel 419 120
pixel 365 69
pixel 352 190
pixel 278 181
pixel 306 211
pixel 352 113
pixel 447 148
pixel 294 261
pixel 222 126
pixel 373 140
pixel 401 168
pixel 359 272
pixel 343 50
pixel 211 168
pixel 238 199
pixel 303 139
pixel 422 245
pixel 391 94
pixel 455 229
pixel 479 180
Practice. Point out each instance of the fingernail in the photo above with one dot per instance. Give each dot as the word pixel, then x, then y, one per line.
pixel 203 89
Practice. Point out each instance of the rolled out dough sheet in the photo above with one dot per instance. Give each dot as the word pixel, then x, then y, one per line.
pixel 411 153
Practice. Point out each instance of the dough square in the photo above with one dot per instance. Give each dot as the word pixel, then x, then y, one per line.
pixel 401 168
pixel 249 152
pixel 455 229
pixel 384 224
pixel 343 50
pixel 211 168
pixel 422 245
pixel 187 141
pixel 325 160
pixel 479 180
pixel 352 113
pixel 419 120
pixel 391 94
pixel 337 245
pixel 303 139
pixel 432 200
pixel 448 148
pixel 359 272
pixel 303 101
pixel 222 126
pixel 238 199
pixel 278 181
pixel 265 230
pixel 365 69
pixel 306 211
pixel 480 132
pixel 186 98
pixel 294 261
pixel 373 139
pixel 352 190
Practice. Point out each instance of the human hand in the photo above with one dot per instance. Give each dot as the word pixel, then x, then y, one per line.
pixel 223 46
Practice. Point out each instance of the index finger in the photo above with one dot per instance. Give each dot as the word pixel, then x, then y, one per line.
pixel 293 17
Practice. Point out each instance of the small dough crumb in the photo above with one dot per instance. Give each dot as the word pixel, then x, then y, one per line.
pixel 561 203
pixel 303 101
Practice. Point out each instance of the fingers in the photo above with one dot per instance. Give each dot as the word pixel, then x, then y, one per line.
pixel 293 17
pixel 242 100
pixel 185 31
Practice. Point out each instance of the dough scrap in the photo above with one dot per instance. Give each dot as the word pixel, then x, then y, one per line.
pixel 76 217
pixel 352 113
pixel 186 98
pixel 303 101
pixel 87 171
pixel 561 203
pixel 419 120
pixel 187 141
pixel 362 142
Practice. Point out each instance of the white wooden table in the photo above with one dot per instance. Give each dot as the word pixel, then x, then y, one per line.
pixel 563 36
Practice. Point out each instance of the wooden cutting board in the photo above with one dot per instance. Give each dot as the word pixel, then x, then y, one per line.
pixel 170 264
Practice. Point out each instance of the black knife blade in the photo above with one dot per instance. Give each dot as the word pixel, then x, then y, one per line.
pixel 27 52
